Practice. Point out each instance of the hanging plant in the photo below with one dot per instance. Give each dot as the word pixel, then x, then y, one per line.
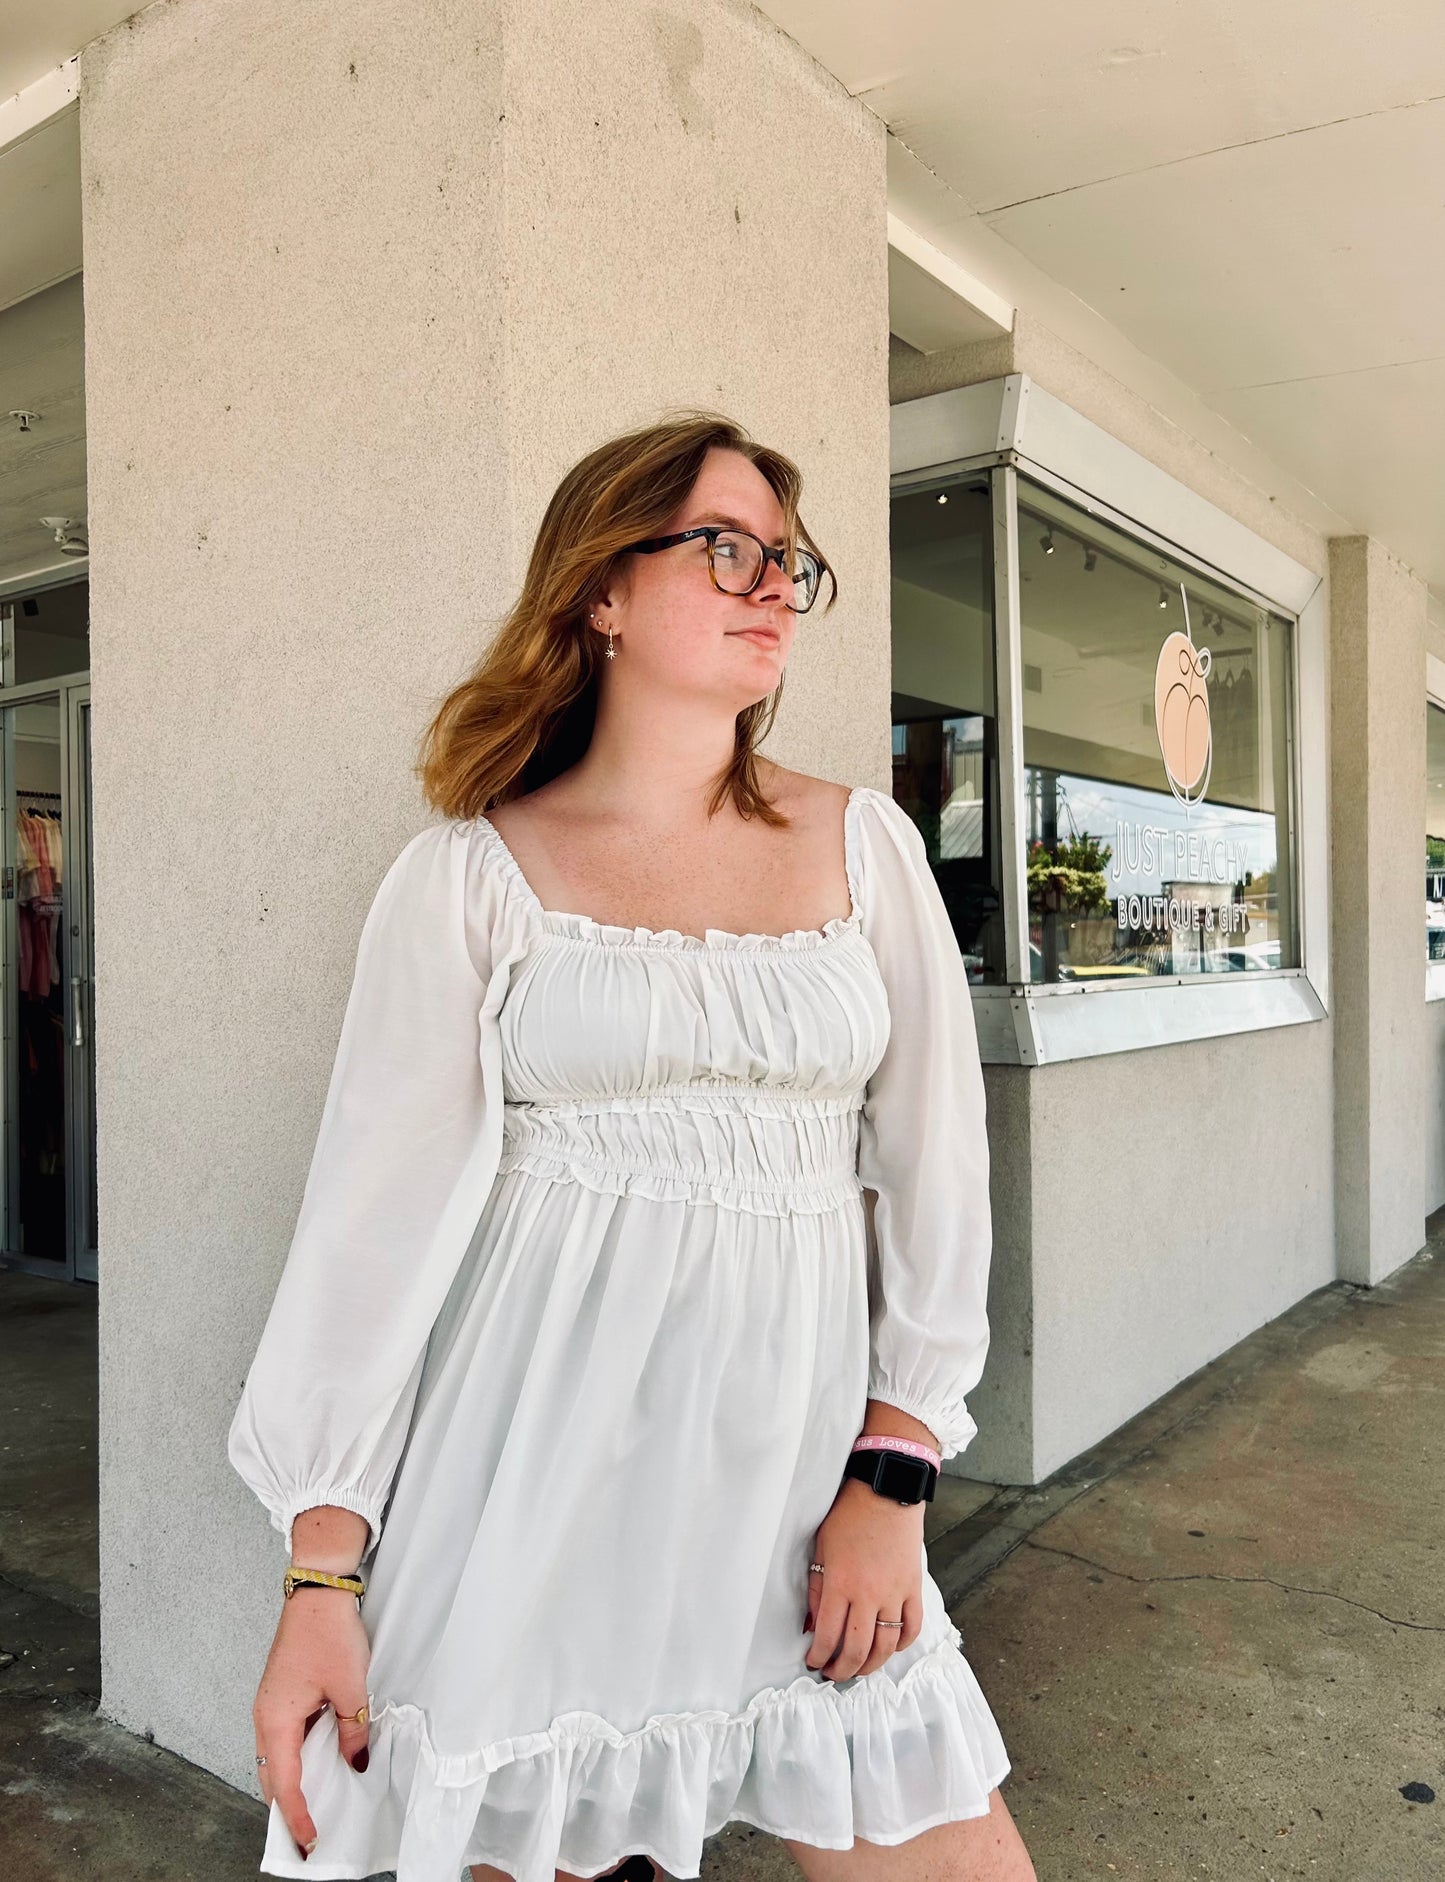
pixel 1069 878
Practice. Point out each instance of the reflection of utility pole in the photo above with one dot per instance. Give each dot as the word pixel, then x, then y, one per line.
pixel 1049 832
pixel 1063 802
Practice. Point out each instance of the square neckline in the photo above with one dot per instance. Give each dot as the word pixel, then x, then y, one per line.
pixel 568 925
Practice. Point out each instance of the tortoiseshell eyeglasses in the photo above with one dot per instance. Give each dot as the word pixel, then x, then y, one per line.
pixel 737 562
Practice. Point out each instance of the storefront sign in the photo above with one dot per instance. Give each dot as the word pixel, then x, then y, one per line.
pixel 1192 865
pixel 1181 712
pixel 1174 914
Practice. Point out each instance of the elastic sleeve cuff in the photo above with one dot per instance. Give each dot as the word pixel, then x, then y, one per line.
pixel 948 1419
pixel 337 1498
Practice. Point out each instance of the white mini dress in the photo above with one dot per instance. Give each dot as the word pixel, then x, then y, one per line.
pixel 581 1312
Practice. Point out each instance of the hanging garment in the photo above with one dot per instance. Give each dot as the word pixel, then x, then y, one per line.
pixel 54 847
pixel 27 858
pixel 581 1314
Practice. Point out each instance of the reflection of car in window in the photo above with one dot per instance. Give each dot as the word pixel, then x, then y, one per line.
pixel 1255 957
pixel 1121 964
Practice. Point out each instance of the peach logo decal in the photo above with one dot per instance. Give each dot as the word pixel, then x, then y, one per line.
pixel 1181 712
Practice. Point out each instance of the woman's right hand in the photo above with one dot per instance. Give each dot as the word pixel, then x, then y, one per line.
pixel 319 1656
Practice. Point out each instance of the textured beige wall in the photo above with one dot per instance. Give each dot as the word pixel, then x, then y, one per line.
pixel 356 295
pixel 1002 1402
pixel 1377 740
pixel 1182 1197
pixel 1158 1230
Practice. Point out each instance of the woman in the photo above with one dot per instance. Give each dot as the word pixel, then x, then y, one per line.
pixel 582 1322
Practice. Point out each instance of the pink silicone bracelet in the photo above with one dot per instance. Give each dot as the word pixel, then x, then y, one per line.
pixel 909 1446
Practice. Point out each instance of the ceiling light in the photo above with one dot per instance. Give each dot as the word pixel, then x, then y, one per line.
pixel 68 533
pixel 1047 539
pixel 943 496
pixel 1091 556
pixel 1163 596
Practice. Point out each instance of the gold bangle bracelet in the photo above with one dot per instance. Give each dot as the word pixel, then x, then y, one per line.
pixel 295 1578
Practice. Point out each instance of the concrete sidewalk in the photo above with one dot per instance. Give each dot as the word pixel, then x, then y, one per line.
pixel 1215 1645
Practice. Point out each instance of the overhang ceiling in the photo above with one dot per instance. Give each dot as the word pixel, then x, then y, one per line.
pixel 1252 196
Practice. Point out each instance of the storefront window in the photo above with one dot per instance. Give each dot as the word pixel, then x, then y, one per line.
pixel 945 744
pixel 1156 751
pixel 1434 833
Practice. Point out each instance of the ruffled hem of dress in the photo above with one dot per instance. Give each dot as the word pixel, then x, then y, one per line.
pixel 875 1757
pixel 661 1185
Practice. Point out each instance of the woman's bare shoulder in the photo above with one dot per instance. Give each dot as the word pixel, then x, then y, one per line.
pixel 530 812
pixel 804 796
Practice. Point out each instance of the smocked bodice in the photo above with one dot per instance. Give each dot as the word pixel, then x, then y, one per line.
pixel 728 1068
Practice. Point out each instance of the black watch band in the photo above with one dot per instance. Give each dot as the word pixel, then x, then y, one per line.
pixel 894 1474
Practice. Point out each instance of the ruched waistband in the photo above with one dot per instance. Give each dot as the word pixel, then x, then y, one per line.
pixel 766 1153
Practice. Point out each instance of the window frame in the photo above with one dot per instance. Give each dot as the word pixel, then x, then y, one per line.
pixel 1011 427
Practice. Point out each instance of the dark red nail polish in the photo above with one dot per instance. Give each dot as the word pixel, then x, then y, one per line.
pixel 361 1760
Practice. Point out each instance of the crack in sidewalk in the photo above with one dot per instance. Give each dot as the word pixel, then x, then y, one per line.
pixel 1325 1594
pixel 22 1585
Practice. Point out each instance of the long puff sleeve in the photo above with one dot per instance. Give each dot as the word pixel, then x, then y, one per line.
pixel 923 1147
pixel 405 1155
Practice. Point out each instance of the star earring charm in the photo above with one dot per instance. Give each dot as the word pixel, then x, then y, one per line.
pixel 611 650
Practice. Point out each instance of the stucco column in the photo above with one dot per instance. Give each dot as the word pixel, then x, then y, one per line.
pixel 361 281
pixel 1377 784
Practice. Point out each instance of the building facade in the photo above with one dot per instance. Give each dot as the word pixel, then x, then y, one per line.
pixel 345 299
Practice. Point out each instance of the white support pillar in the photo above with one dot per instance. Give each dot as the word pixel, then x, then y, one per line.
pixel 361 281
pixel 1377 789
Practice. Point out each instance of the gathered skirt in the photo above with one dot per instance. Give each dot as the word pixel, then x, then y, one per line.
pixel 586 1606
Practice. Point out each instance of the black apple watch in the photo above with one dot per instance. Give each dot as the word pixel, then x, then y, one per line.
pixel 894 1474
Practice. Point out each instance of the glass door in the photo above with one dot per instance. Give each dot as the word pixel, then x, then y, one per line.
pixel 80 1023
pixel 49 1074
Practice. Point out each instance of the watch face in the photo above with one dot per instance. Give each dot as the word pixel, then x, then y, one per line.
pixel 902 1477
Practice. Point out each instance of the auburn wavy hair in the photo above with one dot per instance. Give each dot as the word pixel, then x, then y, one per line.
pixel 525 712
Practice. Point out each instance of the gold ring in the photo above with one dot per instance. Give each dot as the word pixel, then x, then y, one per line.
pixel 352 1718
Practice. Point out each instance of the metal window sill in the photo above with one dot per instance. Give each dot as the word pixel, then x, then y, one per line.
pixel 1040 1025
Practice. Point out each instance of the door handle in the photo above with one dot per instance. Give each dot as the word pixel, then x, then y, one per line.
pixel 77 1032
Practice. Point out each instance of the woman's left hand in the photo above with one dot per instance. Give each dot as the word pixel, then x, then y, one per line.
pixel 872 1551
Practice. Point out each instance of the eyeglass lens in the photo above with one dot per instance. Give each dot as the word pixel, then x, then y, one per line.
pixel 737 561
